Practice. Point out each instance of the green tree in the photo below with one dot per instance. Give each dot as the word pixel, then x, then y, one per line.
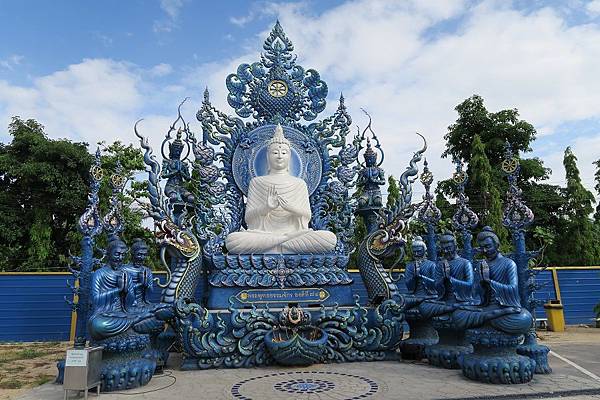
pixel 494 129
pixel 43 191
pixel 132 163
pixel 44 186
pixel 484 196
pixel 393 192
pixel 578 242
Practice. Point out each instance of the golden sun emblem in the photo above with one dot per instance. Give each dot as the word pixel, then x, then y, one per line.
pixel 278 88
pixel 510 165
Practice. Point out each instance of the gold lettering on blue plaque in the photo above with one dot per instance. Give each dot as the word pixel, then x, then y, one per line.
pixel 292 295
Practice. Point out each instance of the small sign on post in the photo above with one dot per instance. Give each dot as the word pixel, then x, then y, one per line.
pixel 82 370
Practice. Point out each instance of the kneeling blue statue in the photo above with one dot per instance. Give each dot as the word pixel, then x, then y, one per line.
pixel 454 283
pixel 497 325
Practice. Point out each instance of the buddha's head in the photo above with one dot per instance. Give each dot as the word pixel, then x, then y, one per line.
pixel 139 251
pixel 418 247
pixel 116 252
pixel 448 245
pixel 278 152
pixel 488 242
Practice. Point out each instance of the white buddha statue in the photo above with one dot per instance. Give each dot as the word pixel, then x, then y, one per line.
pixel 278 211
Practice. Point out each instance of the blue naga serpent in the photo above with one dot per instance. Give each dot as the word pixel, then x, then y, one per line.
pixel 388 239
pixel 180 250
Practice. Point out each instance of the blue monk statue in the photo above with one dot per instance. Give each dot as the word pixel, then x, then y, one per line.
pixel 120 326
pixel 454 285
pixel 453 280
pixel 420 274
pixel 419 278
pixel 500 305
pixel 140 276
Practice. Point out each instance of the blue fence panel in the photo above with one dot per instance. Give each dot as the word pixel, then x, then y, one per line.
pixel 580 292
pixel 545 293
pixel 32 308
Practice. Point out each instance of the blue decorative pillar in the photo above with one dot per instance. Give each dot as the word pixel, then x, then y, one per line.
pixel 517 217
pixel 428 213
pixel 113 220
pixel 90 226
pixel 464 219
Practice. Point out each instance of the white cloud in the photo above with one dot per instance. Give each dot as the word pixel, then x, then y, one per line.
pixel 161 70
pixel 172 8
pixel 383 56
pixel 97 99
pixel 11 61
pixel 593 7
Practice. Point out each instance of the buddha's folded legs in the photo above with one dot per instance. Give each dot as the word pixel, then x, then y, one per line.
pixel 431 308
pixel 304 242
pixel 310 242
pixel 102 326
pixel 508 319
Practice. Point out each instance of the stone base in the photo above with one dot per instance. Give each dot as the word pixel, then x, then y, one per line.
pixel 451 345
pixel 539 353
pixel 123 372
pixel 446 356
pixel 422 334
pixel 494 359
pixel 500 369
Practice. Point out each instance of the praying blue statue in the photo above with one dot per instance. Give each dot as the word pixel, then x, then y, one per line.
pixel 453 280
pixel 500 305
pixel 419 275
pixel 113 299
pixel 140 276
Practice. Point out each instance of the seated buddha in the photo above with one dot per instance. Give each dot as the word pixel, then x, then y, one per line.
pixel 453 281
pixel 278 211
pixel 499 286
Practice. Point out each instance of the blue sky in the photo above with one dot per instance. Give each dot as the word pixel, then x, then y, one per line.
pixel 88 70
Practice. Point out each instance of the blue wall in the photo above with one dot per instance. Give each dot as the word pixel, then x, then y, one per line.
pixel 32 306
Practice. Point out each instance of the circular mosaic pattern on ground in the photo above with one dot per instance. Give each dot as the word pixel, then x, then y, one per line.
pixel 301 385
pixel 304 385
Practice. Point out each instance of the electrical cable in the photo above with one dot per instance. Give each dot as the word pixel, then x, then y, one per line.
pixel 164 374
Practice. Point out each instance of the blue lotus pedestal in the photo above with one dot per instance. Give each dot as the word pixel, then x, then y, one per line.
pixel 126 362
pixel 495 358
pixel 450 347
pixel 537 352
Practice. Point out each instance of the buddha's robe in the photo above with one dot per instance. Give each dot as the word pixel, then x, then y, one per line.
pixel 279 230
pixel 114 311
pixel 452 291
pixel 420 282
pixel 500 306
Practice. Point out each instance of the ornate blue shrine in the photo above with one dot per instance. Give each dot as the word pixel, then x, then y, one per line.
pixel 244 310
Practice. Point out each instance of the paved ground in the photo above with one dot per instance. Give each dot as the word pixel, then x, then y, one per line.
pixel 576 376
pixel 356 381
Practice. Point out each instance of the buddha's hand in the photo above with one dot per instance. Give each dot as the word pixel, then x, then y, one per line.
pixel 122 282
pixel 289 207
pixel 272 198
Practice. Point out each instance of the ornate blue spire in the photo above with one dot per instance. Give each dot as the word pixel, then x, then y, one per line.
pixel 276 87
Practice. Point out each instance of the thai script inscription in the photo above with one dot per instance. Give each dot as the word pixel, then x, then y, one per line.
pixel 282 295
